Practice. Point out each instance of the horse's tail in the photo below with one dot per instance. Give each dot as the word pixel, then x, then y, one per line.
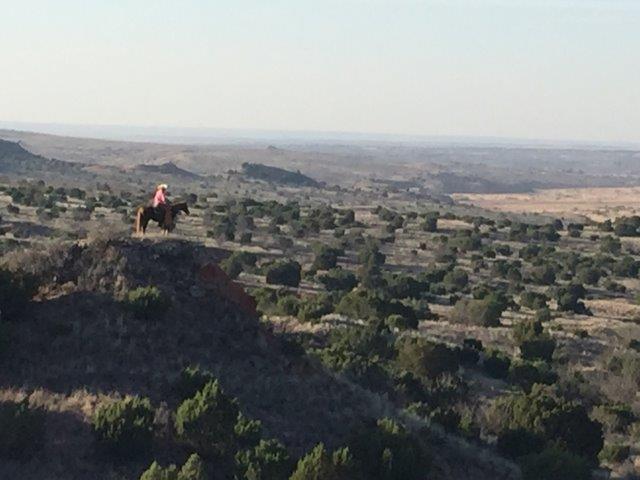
pixel 138 219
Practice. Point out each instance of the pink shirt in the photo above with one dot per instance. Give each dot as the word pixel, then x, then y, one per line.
pixel 158 198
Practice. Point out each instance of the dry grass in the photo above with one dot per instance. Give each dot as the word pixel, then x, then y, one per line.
pixel 595 203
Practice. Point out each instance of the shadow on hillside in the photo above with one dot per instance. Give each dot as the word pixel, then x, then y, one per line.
pixel 86 342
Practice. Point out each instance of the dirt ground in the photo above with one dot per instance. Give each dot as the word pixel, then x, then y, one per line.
pixel 595 203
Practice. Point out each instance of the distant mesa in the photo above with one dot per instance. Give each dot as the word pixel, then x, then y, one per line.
pixel 266 173
pixel 15 159
pixel 170 169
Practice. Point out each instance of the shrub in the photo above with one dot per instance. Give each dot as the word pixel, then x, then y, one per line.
pixel 456 280
pixel 614 453
pixel 247 431
pixel 284 273
pixel 519 442
pixel 22 430
pixel 611 245
pixel 526 374
pixel 338 279
pixel 485 312
pixel 315 307
pixel 238 262
pixel 401 323
pixel 147 303
pixel 326 257
pixel 388 451
pixel 16 290
pixel 207 421
pixel 540 348
pixel 269 460
pixel 193 469
pixel 533 343
pixel 565 424
pixel 124 428
pixel 430 223
pixel 425 359
pixel 615 418
pixel 555 464
pixel 319 464
pixel 533 300
pixel 496 364
pixel 191 381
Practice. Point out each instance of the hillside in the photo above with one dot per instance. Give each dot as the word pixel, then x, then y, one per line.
pixel 267 173
pixel 169 169
pixel 14 159
pixel 78 347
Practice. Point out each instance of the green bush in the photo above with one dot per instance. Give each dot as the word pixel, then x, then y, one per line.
pixel 425 359
pixel 485 312
pixel 248 432
pixel 22 430
pixel 496 364
pixel 554 464
pixel 527 373
pixel 315 307
pixel 399 322
pixel 207 421
pixel 284 273
pixel 338 279
pixel 269 460
pixel 238 262
pixel 319 464
pixel 388 451
pixel 614 453
pixel 147 303
pixel 326 257
pixel 124 428
pixel 191 381
pixel 542 412
pixel 193 469
pixel 615 418
pixel 533 342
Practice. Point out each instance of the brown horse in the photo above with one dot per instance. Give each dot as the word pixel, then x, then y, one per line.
pixel 145 214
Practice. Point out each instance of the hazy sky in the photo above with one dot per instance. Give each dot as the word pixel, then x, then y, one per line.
pixel 551 69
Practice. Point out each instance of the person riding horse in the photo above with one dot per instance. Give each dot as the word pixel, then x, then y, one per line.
pixel 161 204
pixel 160 210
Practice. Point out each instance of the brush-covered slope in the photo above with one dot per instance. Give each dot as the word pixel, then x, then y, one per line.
pixel 77 347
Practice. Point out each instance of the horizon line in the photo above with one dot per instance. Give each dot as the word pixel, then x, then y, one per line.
pixel 195 135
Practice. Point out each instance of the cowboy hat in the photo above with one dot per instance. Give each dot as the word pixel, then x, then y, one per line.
pixel 162 186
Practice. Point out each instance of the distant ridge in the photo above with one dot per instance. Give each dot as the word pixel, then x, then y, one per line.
pixel 168 168
pixel 258 171
pixel 14 158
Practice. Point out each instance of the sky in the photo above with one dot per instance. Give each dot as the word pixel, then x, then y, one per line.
pixel 532 69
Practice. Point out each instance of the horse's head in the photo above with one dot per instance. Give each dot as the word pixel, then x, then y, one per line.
pixel 180 207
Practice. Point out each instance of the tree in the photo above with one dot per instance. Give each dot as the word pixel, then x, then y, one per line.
pixel 319 464
pixel 338 279
pixel 388 451
pixel 193 469
pixel 147 303
pixel 124 428
pixel 207 421
pixel 485 312
pixel 326 257
pixel 425 359
pixel 286 272
pixel 269 460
